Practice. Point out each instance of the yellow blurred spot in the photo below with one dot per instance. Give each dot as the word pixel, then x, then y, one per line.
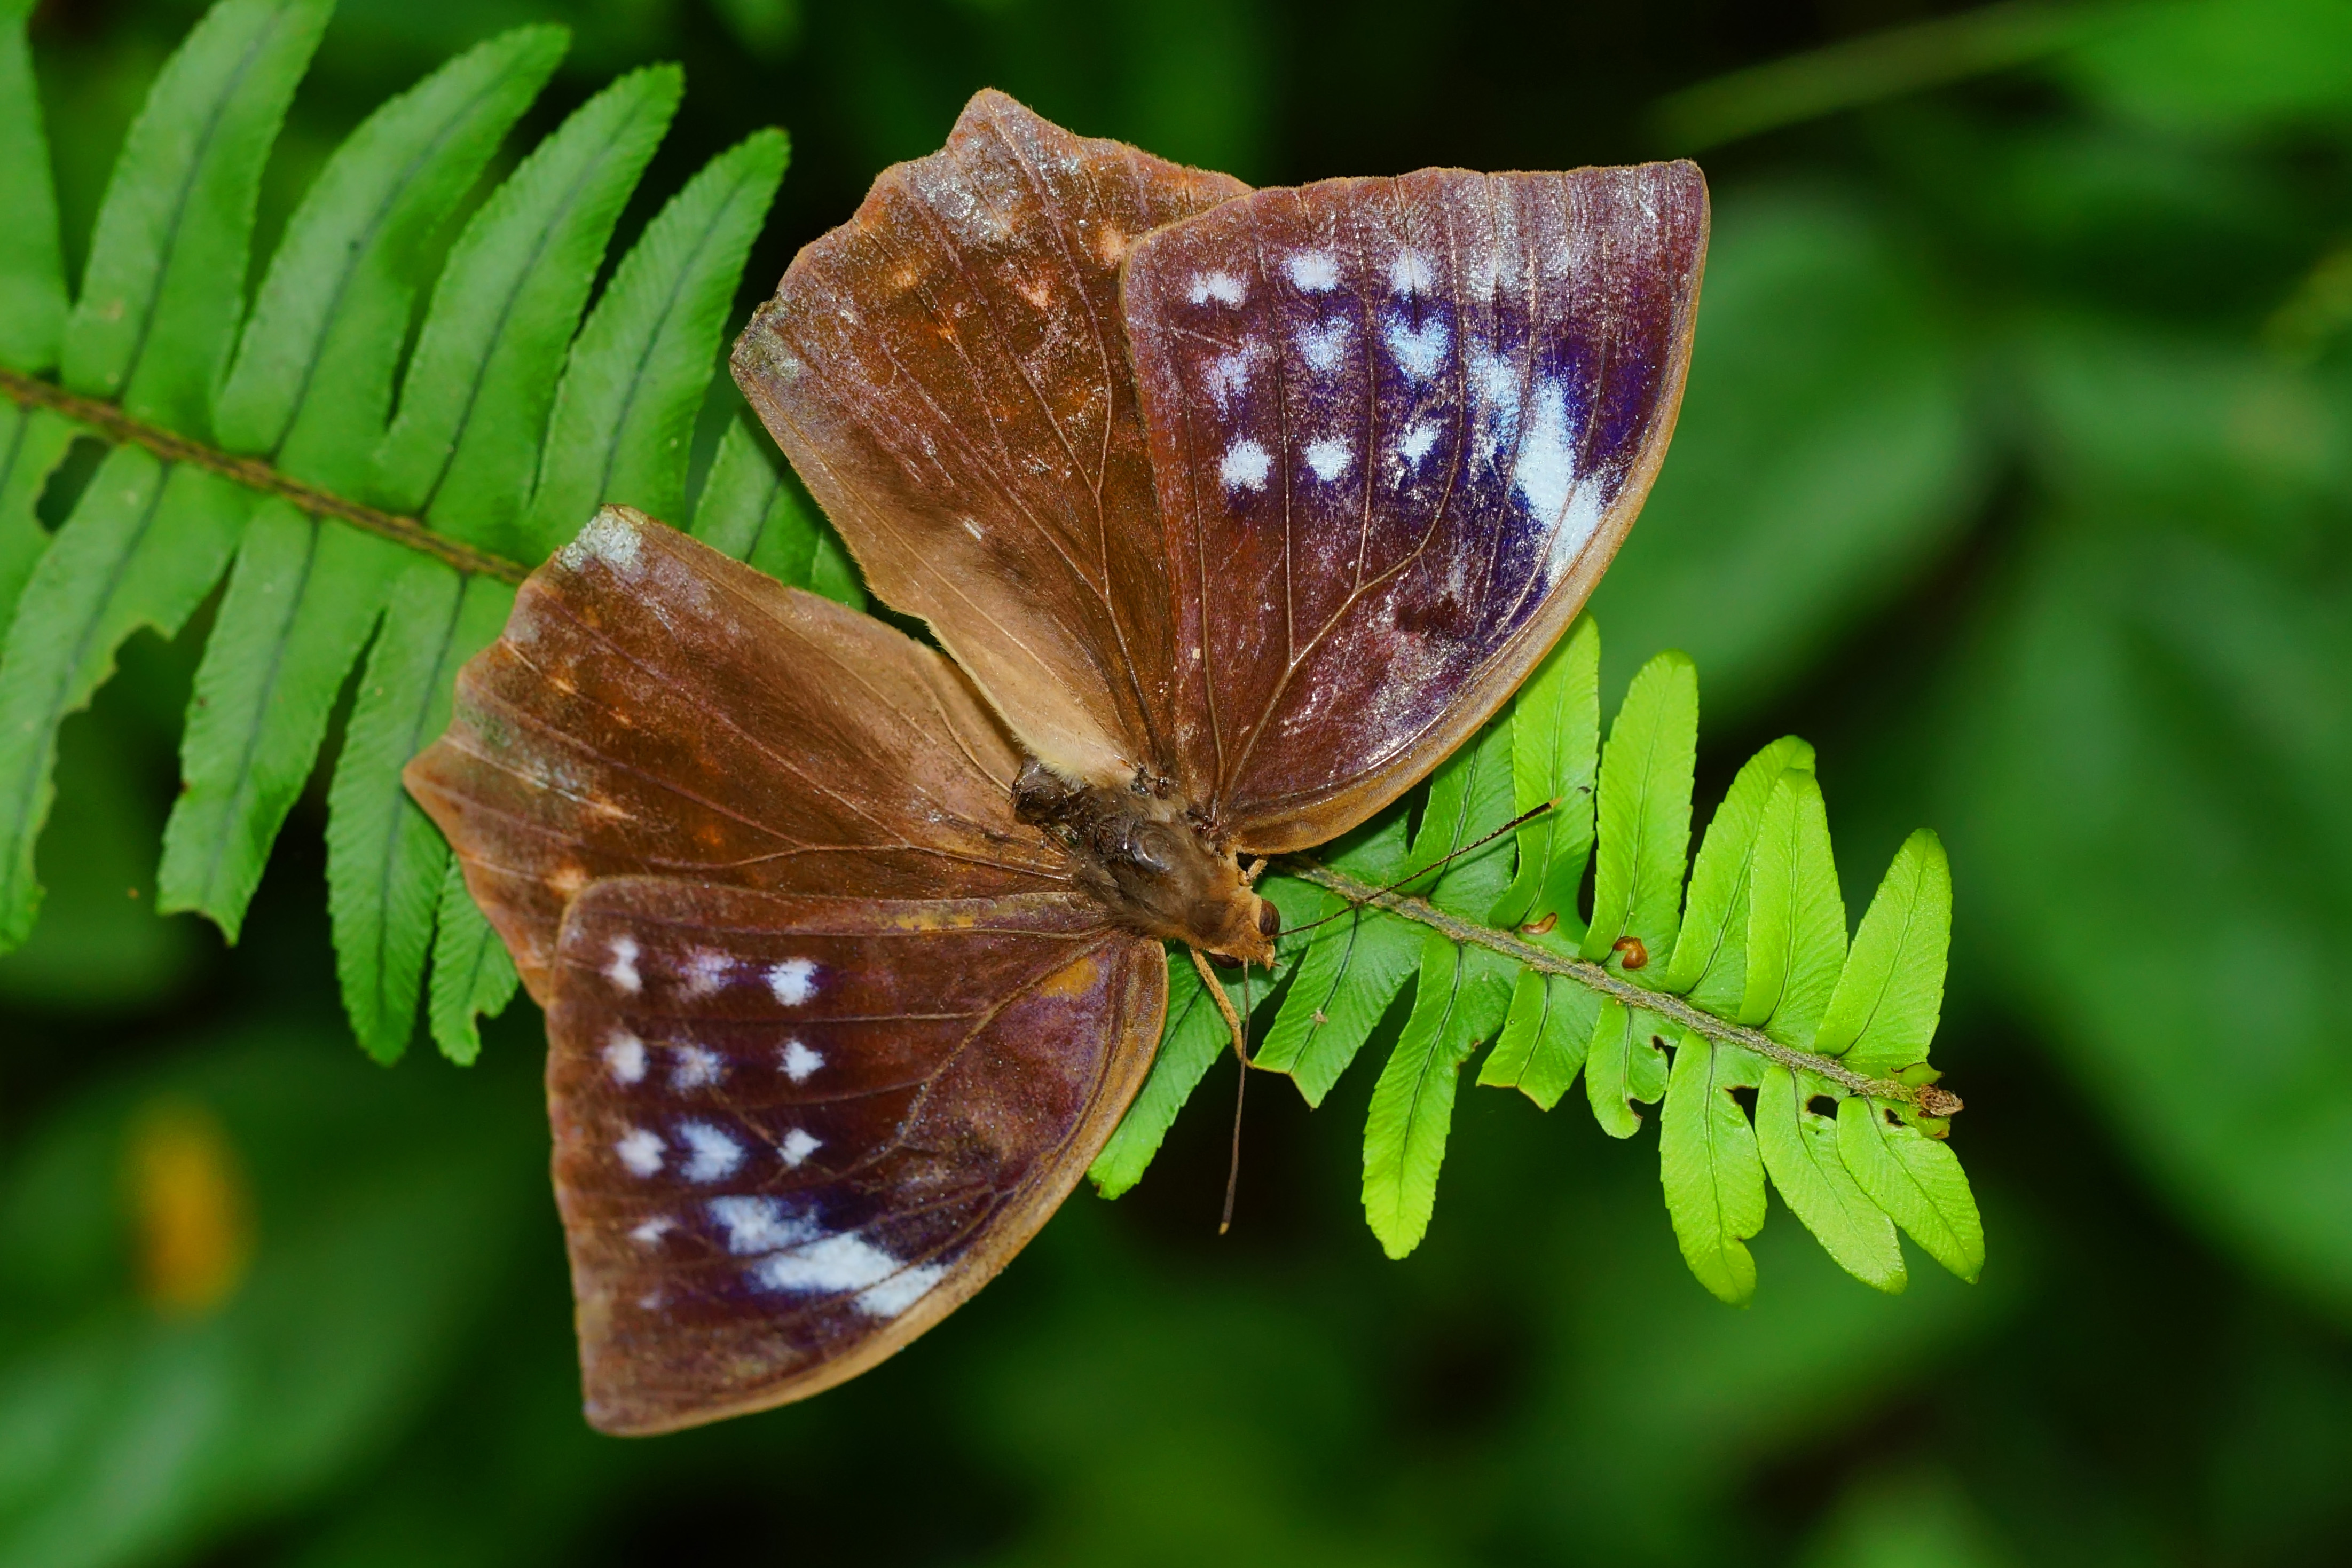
pixel 193 1209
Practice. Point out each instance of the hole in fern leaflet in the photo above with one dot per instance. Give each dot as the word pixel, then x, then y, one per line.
pixel 1821 1105
pixel 1747 1098
pixel 67 480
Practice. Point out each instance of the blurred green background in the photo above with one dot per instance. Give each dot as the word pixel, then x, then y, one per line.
pixel 2016 472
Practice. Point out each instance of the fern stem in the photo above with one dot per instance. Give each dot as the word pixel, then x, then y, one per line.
pixel 111 422
pixel 1928 1098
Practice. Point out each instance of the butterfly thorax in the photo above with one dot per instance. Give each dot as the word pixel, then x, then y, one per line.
pixel 1152 861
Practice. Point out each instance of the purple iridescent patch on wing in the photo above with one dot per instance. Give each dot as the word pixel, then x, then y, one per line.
pixel 1391 417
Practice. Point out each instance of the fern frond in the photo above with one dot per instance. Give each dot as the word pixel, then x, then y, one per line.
pixel 267 446
pixel 1738 986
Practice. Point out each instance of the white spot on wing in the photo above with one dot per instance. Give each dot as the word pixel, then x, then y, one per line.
pixel 1245 465
pixel 756 1225
pixel 622 970
pixel 1546 470
pixel 798 1060
pixel 901 1290
pixel 1221 287
pixel 1418 351
pixel 1409 273
pixel 696 1068
pixel 1417 442
pixel 1576 527
pixel 794 980
pixel 1545 477
pixel 625 1057
pixel 799 1145
pixel 1496 379
pixel 706 970
pixel 651 1232
pixel 1328 457
pixel 1324 345
pixel 1228 375
pixel 624 965
pixel 846 1262
pixel 610 537
pixel 640 1151
pixel 1313 271
pixel 710 1153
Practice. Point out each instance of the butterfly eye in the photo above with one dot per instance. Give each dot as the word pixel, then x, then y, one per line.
pixel 1269 920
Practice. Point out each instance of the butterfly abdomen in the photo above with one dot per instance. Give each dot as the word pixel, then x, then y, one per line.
pixel 1143 853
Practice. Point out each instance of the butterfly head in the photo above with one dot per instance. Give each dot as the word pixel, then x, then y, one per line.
pixel 1156 865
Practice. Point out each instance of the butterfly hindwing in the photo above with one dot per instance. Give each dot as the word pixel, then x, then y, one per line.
pixel 948 372
pixel 657 707
pixel 793 1132
pixel 1399 427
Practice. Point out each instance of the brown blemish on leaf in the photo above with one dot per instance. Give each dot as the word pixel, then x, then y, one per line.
pixel 1934 1102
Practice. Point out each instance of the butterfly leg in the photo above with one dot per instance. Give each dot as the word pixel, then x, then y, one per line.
pixel 1224 1004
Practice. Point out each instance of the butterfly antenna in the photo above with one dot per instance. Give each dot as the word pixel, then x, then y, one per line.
pixel 1241 1093
pixel 1409 878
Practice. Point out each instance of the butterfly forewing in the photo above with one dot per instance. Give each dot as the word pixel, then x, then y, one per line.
pixel 657 707
pixel 949 374
pixel 793 1132
pixel 1399 428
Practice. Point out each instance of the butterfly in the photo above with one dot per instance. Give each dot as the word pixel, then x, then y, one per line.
pixel 1232 512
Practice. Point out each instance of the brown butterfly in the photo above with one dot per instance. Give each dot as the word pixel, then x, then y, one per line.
pixel 1234 511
